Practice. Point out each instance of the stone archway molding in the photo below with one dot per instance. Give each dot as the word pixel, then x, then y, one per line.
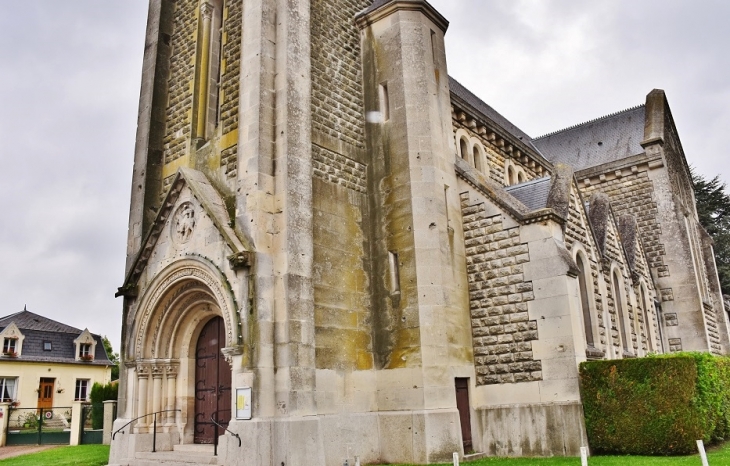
pixel 194 277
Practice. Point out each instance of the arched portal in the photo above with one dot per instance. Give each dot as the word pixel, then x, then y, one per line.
pixel 212 382
pixel 175 316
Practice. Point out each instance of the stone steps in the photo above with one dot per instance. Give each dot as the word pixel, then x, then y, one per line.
pixel 182 455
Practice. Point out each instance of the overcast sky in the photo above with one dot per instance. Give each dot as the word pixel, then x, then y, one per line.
pixel 69 83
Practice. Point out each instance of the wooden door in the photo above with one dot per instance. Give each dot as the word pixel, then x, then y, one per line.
pixel 45 393
pixel 462 404
pixel 212 382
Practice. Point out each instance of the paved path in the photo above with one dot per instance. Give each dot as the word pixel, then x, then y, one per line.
pixel 17 450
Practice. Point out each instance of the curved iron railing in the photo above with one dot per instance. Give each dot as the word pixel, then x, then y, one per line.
pixel 215 438
pixel 154 425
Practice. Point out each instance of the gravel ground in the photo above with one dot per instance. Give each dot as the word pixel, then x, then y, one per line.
pixel 17 450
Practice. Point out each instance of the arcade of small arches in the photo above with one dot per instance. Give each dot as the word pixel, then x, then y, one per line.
pixel 473 152
pixel 617 290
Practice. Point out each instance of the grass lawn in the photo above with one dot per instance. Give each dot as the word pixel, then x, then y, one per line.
pixel 83 455
pixel 719 456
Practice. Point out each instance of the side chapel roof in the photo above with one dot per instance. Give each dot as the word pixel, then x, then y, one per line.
pixel 596 142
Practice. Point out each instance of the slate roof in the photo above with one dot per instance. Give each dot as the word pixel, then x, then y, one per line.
pixel 597 142
pixel 533 194
pixel 375 5
pixel 466 95
pixel 38 329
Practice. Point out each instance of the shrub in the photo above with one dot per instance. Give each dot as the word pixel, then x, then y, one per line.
pixel 657 405
pixel 98 395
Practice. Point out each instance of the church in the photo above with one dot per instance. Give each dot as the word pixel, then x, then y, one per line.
pixel 337 254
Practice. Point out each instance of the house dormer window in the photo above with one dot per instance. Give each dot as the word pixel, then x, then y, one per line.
pixel 12 341
pixel 10 346
pixel 85 353
pixel 47 346
pixel 85 346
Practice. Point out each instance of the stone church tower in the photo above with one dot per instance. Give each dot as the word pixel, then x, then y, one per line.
pixel 323 219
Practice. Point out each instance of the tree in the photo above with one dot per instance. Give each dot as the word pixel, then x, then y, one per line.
pixel 713 209
pixel 113 357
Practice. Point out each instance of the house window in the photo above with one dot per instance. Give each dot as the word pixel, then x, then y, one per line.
pixel 47 346
pixel 10 346
pixel 84 350
pixel 7 389
pixel 82 388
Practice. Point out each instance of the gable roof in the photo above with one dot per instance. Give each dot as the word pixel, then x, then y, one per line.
pixel 533 194
pixel 479 105
pixel 214 206
pixel 26 320
pixel 596 142
pixel 38 330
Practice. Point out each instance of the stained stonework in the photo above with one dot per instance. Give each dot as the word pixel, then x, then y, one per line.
pixel 713 330
pixel 675 344
pixel 337 100
pixel 231 66
pixel 182 75
pixel 578 231
pixel 498 296
pixel 498 152
pixel 632 192
pixel 330 166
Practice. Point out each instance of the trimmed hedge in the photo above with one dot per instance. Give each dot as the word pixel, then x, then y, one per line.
pixel 658 405
pixel 98 395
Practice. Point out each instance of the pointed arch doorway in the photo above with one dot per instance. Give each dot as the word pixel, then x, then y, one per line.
pixel 212 382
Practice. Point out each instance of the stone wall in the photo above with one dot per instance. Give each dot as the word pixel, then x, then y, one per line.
pixel 341 290
pixel 497 151
pixel 229 86
pixel 632 193
pixel 330 166
pixel 180 85
pixel 501 329
pixel 337 100
pixel 577 231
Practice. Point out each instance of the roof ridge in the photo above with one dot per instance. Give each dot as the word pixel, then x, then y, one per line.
pixel 604 117
pixel 542 179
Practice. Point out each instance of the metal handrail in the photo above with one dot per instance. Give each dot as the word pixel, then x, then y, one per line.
pixel 154 425
pixel 215 441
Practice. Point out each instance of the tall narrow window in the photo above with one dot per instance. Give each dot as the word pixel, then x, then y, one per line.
pixel 644 312
pixel 446 203
pixel 208 66
pixel 584 302
pixel 619 306
pixel 464 149
pixel 394 272
pixel 477 158
pixel 510 175
pixel 82 388
pixel 7 389
pixel 384 101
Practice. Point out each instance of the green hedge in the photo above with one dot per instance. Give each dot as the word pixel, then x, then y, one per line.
pixel 98 395
pixel 659 405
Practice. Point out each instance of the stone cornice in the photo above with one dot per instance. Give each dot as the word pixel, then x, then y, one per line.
pixel 502 198
pixel 632 164
pixel 499 139
pixel 373 15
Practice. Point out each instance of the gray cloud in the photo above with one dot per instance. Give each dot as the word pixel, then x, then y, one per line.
pixel 69 89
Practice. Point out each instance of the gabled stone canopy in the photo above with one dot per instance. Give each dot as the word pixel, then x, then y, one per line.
pixel 214 206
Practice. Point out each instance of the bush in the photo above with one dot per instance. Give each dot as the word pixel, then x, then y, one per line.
pixel 658 405
pixel 98 395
